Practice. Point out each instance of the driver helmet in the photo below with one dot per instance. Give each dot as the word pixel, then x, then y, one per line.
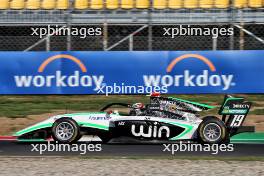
pixel 155 94
pixel 138 106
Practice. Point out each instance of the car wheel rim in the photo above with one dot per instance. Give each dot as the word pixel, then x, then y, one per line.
pixel 64 131
pixel 212 132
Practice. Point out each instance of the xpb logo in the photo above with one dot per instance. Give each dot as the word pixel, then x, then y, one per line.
pixel 206 78
pixel 77 79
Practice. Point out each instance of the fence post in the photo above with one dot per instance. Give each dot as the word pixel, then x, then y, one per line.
pixel 105 36
pixel 131 43
pixel 231 40
pixel 69 39
pixel 214 44
pixel 150 37
pixel 241 37
pixel 68 25
pixel 48 43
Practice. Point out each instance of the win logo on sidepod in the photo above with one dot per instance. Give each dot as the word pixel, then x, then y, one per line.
pixel 58 79
pixel 187 79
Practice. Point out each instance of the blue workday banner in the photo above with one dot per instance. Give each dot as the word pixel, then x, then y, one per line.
pixel 171 71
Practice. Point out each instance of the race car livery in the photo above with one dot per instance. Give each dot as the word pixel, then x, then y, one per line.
pixel 163 119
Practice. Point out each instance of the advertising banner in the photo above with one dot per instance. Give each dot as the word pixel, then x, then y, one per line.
pixel 179 72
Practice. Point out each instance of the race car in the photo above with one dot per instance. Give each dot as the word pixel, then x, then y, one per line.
pixel 164 119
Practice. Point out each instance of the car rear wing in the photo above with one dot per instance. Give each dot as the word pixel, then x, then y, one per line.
pixel 234 111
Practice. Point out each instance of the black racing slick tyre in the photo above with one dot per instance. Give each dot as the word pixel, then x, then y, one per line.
pixel 66 130
pixel 212 131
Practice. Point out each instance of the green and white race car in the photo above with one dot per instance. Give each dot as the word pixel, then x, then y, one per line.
pixel 163 119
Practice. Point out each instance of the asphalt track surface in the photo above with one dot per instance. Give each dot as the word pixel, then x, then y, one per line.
pixel 12 148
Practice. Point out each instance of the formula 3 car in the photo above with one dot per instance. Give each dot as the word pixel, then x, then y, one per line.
pixel 163 119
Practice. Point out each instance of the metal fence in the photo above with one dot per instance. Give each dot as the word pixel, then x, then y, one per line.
pixel 135 29
pixel 133 37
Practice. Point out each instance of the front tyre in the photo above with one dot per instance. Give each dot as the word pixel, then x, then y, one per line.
pixel 65 130
pixel 212 131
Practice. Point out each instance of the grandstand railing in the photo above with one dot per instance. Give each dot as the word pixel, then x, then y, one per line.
pixel 129 17
pixel 131 11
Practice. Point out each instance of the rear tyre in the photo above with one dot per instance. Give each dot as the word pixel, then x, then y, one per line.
pixel 66 130
pixel 78 138
pixel 212 131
